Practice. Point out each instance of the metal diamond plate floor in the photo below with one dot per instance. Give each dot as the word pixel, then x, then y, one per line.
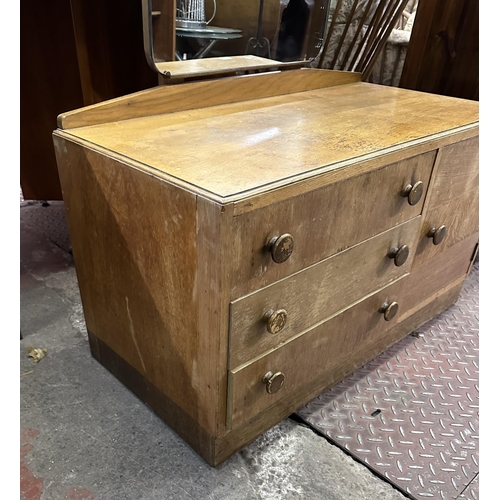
pixel 412 414
pixel 50 219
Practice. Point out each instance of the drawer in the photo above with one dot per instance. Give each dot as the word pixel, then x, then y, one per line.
pixel 312 295
pixel 324 222
pixel 438 272
pixel 446 225
pixel 452 208
pixel 337 341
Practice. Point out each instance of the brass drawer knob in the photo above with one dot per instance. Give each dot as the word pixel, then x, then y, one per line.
pixel 399 254
pixel 413 192
pixel 437 234
pixel 276 320
pixel 389 310
pixel 281 247
pixel 273 381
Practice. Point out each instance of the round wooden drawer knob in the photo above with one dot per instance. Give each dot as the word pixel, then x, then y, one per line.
pixel 389 310
pixel 437 234
pixel 413 192
pixel 276 320
pixel 281 247
pixel 273 381
pixel 399 254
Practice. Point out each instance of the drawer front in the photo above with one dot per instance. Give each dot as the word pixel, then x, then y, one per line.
pixel 446 225
pixel 310 355
pixel 438 272
pixel 324 222
pixel 452 208
pixel 457 172
pixel 314 294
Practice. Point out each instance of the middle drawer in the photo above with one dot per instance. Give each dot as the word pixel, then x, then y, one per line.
pixel 264 319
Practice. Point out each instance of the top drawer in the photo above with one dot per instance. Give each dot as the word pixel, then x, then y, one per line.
pixel 325 221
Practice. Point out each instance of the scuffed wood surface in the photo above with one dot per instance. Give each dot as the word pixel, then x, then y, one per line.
pixel 319 291
pixel 324 222
pixel 195 95
pixel 232 150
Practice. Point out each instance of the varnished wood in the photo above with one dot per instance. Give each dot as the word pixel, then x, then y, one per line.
pixel 344 122
pixel 148 309
pixel 368 204
pixel 172 217
pixel 436 272
pixel 330 343
pixel 49 83
pixel 74 53
pixel 216 66
pixel 317 292
pixel 303 183
pixel 350 168
pixel 163 24
pixel 453 200
pixel 253 427
pixel 461 219
pixel 458 172
pixel 198 95
pixel 443 53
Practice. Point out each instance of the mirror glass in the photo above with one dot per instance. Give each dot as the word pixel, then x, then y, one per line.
pixel 281 30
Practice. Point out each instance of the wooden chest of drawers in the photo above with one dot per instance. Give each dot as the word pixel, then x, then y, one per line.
pixel 243 244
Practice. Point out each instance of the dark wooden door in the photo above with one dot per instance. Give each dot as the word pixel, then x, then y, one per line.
pixel 73 53
pixel 443 53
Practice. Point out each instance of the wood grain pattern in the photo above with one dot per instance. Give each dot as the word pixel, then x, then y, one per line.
pixel 461 218
pixel 212 290
pixel 195 95
pixel 251 428
pixel 142 277
pixel 49 83
pixel 437 272
pixel 453 200
pixel 216 65
pixel 317 292
pixel 169 215
pixel 329 344
pixel 164 29
pixel 347 169
pixel 280 138
pixel 443 53
pixel 457 173
pixel 324 222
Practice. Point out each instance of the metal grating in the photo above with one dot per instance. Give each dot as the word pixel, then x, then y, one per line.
pixel 412 414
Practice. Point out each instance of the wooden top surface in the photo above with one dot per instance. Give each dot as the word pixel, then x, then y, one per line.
pixel 232 151
pixel 209 65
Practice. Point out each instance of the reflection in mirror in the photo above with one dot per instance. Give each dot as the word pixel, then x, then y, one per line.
pixel 241 36
pixel 282 30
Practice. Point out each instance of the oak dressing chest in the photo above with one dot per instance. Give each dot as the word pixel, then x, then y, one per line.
pixel 243 244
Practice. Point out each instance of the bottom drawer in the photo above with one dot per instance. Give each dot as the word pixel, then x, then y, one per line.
pixel 259 384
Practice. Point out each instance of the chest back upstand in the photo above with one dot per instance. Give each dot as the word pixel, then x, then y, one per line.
pixel 245 243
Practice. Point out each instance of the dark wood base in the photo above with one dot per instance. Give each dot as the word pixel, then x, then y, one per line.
pixel 182 423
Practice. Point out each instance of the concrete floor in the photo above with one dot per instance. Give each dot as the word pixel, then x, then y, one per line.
pixel 85 436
